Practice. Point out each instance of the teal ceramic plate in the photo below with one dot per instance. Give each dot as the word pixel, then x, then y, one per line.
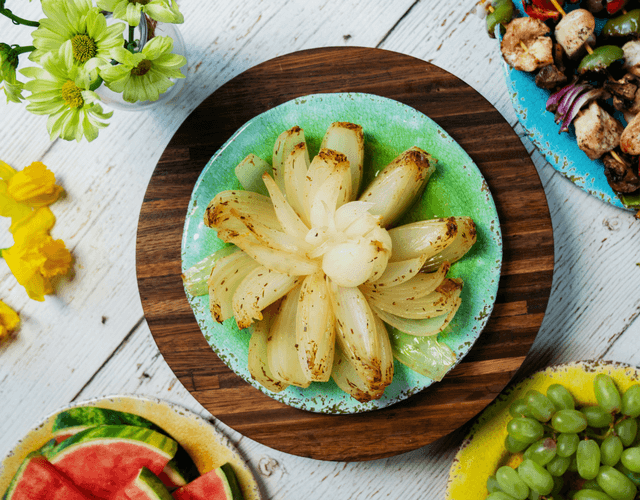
pixel 560 150
pixel 390 127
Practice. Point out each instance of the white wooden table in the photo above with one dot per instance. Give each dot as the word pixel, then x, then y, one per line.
pixel 91 339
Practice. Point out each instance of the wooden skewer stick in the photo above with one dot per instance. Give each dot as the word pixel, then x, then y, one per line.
pixel 558 8
pixel 617 158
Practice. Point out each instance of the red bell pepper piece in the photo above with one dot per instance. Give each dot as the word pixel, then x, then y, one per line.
pixel 542 9
pixel 614 6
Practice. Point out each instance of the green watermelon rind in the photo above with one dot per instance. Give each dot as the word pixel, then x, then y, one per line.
pixel 148 482
pixel 83 417
pixel 232 479
pixel 18 475
pixel 108 433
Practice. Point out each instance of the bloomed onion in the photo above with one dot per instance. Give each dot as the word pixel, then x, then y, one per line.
pixel 319 275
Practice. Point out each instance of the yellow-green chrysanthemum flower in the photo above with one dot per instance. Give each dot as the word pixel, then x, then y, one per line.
pixel 73 110
pixel 165 11
pixel 145 75
pixel 80 24
pixel 8 64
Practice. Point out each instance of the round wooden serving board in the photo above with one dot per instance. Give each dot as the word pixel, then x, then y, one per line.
pixel 525 282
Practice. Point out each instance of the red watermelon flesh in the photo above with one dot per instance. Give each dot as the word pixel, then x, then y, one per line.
pixel 37 479
pixel 102 460
pixel 210 486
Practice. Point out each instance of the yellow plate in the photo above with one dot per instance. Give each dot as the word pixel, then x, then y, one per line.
pixel 208 447
pixel 483 451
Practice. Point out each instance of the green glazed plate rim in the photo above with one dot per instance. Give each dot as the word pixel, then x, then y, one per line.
pixel 456 188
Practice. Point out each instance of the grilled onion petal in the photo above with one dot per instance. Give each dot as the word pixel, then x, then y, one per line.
pixel 285 144
pixel 437 303
pixel 196 277
pixel 356 331
pixel 249 173
pixel 291 222
pixel 281 343
pixel 226 276
pixel 399 184
pixel 418 286
pixel 397 273
pixel 295 173
pixel 283 262
pixel 260 288
pixel 258 364
pixel 347 378
pixel 424 355
pixel 323 165
pixel 348 139
pixel 246 203
pixel 465 238
pixel 315 329
pixel 386 352
pixel 420 327
pixel 427 237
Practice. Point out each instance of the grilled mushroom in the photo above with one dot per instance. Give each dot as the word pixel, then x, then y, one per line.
pixel 574 30
pixel 621 175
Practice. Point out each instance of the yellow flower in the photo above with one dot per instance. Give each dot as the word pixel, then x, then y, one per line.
pixel 35 186
pixel 9 320
pixel 36 259
pixel 20 192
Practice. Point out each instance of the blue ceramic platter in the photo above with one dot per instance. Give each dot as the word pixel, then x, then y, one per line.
pixel 390 127
pixel 560 150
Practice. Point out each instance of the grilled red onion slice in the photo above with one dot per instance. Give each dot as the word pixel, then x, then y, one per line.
pixel 578 103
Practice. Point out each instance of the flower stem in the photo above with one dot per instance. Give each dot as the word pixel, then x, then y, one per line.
pixel 17 49
pixel 17 20
pixel 131 35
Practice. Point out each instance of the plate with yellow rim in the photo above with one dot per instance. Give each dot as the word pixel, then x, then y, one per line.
pixel 208 447
pixel 483 451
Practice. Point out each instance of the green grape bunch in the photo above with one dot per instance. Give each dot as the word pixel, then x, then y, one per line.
pixel 568 453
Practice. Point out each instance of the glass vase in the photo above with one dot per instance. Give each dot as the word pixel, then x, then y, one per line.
pixel 146 30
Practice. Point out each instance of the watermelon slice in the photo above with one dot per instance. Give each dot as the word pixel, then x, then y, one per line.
pixel 102 460
pixel 146 486
pixel 217 484
pixel 180 470
pixel 37 479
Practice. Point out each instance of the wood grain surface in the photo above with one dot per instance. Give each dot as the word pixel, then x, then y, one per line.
pixel 522 296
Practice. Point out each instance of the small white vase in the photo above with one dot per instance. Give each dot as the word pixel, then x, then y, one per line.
pixel 114 99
